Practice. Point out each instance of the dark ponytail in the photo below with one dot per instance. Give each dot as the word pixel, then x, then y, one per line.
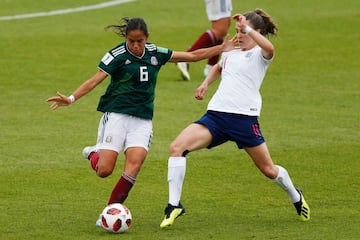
pixel 129 24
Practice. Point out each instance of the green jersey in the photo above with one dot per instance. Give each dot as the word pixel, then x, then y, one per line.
pixel 133 80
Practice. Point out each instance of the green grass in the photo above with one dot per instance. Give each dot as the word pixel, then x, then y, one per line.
pixel 310 119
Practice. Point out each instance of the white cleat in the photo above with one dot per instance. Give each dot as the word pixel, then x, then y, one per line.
pixel 87 150
pixel 184 69
pixel 98 222
pixel 207 70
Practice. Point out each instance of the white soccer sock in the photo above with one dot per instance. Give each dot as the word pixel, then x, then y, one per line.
pixel 176 175
pixel 283 180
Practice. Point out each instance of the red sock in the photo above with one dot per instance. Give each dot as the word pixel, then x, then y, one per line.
pixel 207 39
pixel 122 189
pixel 94 159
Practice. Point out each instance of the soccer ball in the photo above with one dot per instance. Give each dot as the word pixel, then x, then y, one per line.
pixel 116 218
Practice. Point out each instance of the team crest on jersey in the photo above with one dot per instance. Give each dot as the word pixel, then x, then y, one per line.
pixel 154 61
pixel 249 54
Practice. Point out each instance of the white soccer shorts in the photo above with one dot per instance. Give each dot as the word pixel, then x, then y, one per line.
pixel 120 131
pixel 218 9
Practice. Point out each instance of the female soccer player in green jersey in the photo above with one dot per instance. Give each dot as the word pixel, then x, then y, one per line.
pixel 128 102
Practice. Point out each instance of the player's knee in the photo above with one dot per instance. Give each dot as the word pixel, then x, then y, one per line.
pixel 269 172
pixel 175 149
pixel 103 172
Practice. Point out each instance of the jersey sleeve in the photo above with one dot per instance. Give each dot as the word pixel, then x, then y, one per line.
pixel 108 64
pixel 163 54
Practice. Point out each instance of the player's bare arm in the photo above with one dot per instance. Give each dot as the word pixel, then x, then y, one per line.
pixel 214 74
pixel 60 100
pixel 266 46
pixel 203 53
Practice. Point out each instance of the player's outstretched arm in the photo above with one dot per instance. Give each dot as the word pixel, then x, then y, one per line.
pixel 203 53
pixel 61 100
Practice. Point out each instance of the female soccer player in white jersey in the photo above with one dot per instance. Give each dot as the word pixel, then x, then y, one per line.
pixel 128 102
pixel 232 113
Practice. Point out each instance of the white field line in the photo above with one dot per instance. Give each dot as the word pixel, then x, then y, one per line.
pixel 65 11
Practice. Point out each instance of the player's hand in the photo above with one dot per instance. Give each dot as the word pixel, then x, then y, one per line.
pixel 59 101
pixel 235 41
pixel 239 18
pixel 240 22
pixel 229 44
pixel 200 91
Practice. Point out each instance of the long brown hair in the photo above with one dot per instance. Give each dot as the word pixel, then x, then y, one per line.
pixel 261 20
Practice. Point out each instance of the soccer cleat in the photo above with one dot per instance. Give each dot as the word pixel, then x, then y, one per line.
pixel 302 208
pixel 87 151
pixel 98 222
pixel 171 213
pixel 184 70
pixel 207 69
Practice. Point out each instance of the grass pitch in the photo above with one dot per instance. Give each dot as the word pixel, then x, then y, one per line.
pixel 310 120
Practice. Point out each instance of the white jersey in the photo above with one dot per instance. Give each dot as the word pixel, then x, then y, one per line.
pixel 218 9
pixel 241 78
